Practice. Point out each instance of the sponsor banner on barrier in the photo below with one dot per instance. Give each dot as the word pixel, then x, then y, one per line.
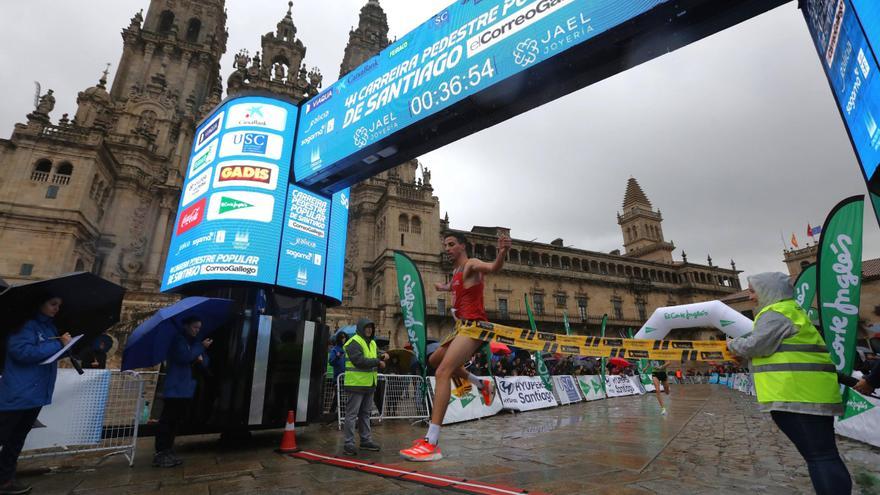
pixel 591 387
pixel 621 386
pixel 566 389
pixel 861 419
pixel 465 403
pixel 76 414
pixel 524 393
pixel 578 345
pixel 647 382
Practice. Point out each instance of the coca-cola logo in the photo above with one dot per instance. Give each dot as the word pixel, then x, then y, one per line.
pixel 191 216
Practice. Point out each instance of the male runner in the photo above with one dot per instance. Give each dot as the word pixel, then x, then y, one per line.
pixel 660 376
pixel 448 361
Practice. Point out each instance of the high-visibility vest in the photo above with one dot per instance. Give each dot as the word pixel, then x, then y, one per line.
pixel 801 369
pixel 355 377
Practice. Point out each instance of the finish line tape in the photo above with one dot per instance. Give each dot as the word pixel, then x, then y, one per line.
pixel 665 350
pixel 426 479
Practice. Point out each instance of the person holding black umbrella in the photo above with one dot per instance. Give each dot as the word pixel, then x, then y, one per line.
pixel 179 388
pixel 27 385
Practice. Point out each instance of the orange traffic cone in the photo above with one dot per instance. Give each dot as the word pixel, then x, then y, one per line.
pixel 288 440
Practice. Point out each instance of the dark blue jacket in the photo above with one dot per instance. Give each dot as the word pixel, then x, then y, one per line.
pixel 179 382
pixel 337 360
pixel 26 384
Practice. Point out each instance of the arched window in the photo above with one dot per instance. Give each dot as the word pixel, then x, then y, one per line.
pixel 490 253
pixel 63 173
pixel 41 170
pixel 415 225
pixel 403 223
pixel 166 20
pixel 554 261
pixel 513 256
pixel 192 30
pixel 545 260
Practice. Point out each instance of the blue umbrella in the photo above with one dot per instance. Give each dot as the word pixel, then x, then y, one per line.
pixel 349 330
pixel 431 348
pixel 149 343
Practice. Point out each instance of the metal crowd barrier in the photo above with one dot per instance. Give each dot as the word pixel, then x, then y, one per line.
pixel 396 397
pixel 122 414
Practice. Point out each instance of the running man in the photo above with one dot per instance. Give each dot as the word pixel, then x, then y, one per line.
pixel 448 361
pixel 660 377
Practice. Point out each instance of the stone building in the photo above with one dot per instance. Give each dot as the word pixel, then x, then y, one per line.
pixel 99 191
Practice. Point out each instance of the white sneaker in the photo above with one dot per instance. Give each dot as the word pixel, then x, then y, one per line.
pixel 663 411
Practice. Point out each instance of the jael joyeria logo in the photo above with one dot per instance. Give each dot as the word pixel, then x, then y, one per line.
pixel 361 137
pixel 526 52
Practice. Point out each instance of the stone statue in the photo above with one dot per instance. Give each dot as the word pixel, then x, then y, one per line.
pixel 426 174
pixel 315 79
pixel 279 72
pixel 46 104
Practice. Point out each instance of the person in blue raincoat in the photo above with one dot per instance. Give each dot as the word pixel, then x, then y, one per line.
pixel 179 388
pixel 26 385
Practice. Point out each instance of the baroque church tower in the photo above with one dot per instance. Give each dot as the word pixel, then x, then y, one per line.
pixel 395 210
pixel 99 192
pixel 641 226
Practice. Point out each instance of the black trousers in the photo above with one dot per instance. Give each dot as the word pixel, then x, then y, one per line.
pixel 814 438
pixel 14 429
pixel 173 411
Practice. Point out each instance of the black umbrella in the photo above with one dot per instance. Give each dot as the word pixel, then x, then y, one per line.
pixel 90 304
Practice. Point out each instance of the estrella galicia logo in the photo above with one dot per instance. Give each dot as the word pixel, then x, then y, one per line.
pixel 526 52
pixel 361 137
pixel 252 142
pixel 506 387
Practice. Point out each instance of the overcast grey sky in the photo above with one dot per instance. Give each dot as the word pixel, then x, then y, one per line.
pixel 735 138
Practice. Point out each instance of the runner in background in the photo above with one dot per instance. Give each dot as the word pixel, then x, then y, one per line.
pixel 660 377
pixel 467 292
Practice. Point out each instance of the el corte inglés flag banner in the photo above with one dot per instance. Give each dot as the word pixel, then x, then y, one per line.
pixel 839 280
pixel 805 291
pixel 412 305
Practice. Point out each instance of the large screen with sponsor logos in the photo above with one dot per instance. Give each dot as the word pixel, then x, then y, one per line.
pixel 468 47
pixel 233 195
pixel 846 33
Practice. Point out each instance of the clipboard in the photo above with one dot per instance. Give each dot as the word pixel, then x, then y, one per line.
pixel 57 355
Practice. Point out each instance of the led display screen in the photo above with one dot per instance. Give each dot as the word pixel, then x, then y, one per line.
pixel 233 197
pixel 841 30
pixel 336 247
pixel 303 258
pixel 463 50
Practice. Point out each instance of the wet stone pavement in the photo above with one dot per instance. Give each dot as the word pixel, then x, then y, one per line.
pixel 713 441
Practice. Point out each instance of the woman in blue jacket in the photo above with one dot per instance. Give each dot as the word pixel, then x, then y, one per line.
pixel 26 386
pixel 180 386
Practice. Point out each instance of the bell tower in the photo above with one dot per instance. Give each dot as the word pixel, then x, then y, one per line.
pixel 641 226
pixel 368 39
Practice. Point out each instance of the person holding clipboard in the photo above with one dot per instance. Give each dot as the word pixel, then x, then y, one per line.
pixel 26 385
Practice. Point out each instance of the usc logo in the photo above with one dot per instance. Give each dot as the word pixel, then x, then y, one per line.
pixel 246 173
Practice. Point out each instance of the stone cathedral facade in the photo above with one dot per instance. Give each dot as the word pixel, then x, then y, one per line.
pixel 98 191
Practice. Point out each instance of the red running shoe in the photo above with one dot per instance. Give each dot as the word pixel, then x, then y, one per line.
pixel 488 392
pixel 422 451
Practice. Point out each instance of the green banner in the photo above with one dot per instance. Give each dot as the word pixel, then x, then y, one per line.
pixel 805 291
pixel 838 279
pixel 539 359
pixel 412 305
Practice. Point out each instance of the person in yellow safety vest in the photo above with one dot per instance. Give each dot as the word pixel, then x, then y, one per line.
pixel 795 379
pixel 360 378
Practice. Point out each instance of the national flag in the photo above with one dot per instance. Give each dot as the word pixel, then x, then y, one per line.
pixel 794 241
pixel 809 231
pixel 817 230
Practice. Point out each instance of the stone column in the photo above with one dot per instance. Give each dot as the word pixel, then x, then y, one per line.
pixel 158 241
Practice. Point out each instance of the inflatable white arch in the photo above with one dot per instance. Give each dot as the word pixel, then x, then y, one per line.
pixel 705 314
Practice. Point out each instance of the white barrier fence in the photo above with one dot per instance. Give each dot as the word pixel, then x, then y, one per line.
pixel 96 412
pixel 396 397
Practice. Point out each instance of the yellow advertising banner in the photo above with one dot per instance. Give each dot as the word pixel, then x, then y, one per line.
pixel 580 345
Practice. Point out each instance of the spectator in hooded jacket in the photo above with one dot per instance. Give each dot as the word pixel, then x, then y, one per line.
pixel 26 386
pixel 795 379
pixel 360 379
